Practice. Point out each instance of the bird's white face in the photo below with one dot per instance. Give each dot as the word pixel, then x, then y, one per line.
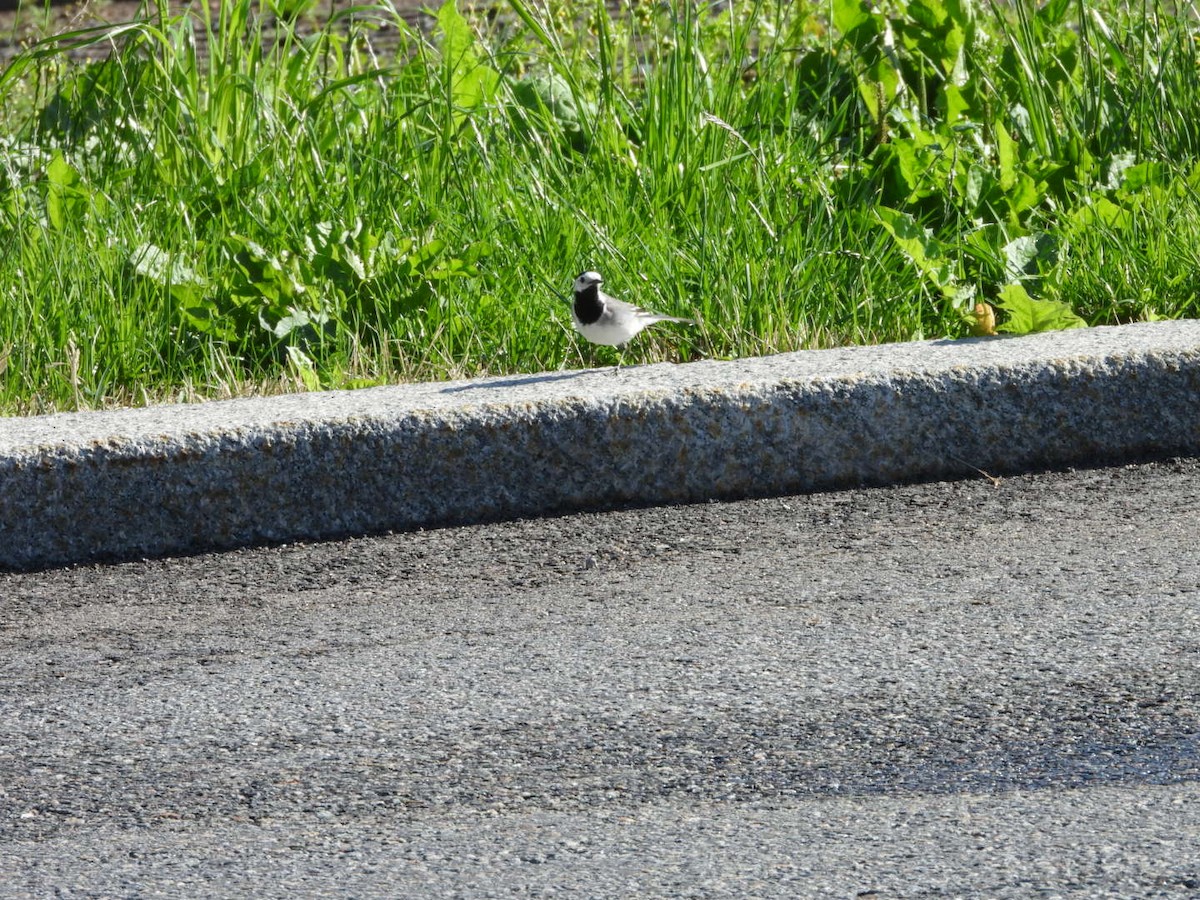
pixel 586 280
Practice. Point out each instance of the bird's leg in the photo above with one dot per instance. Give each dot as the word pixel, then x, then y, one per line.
pixel 617 368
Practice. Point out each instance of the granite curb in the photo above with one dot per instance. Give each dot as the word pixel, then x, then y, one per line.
pixel 179 479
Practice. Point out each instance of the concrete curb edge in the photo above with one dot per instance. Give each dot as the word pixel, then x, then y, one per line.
pixel 168 480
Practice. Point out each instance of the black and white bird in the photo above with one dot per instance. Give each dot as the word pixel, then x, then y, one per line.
pixel 603 319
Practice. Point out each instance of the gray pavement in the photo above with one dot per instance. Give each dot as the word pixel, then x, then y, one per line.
pixel 176 479
pixel 950 689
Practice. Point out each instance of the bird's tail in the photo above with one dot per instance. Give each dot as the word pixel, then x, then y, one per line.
pixel 658 317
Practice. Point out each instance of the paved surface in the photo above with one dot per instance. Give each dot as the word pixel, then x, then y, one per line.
pixel 175 479
pixel 943 690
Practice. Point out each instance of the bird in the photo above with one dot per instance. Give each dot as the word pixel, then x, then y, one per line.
pixel 603 319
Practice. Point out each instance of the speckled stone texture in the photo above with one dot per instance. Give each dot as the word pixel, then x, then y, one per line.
pixel 176 479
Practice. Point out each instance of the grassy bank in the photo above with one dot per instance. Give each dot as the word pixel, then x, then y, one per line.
pixel 304 212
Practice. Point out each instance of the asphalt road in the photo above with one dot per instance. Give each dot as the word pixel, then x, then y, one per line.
pixel 962 689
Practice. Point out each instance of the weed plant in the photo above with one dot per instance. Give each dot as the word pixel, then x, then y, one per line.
pixel 288 211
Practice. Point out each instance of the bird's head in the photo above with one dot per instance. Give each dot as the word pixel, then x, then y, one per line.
pixel 587 280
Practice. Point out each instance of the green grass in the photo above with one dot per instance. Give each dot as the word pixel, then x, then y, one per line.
pixel 301 213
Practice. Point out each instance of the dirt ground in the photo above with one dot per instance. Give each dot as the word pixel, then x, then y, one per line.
pixel 23 23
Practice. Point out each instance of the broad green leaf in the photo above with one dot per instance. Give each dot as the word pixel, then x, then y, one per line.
pixel 552 93
pixel 471 81
pixel 916 167
pixel 419 261
pixel 954 104
pixel 1152 174
pixel 1114 171
pixel 167 271
pixel 1027 315
pixel 294 323
pixel 206 317
pixel 929 14
pixel 1021 254
pixel 304 368
pixel 66 196
pixel 1025 194
pixel 971 183
pixel 1101 211
pixel 879 85
pixel 354 262
pixel 898 158
pixel 962 12
pixel 928 254
pixel 871 36
pixel 850 14
pixel 458 43
pixel 941 39
pixel 152 262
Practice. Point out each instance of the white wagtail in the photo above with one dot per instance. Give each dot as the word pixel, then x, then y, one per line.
pixel 603 319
